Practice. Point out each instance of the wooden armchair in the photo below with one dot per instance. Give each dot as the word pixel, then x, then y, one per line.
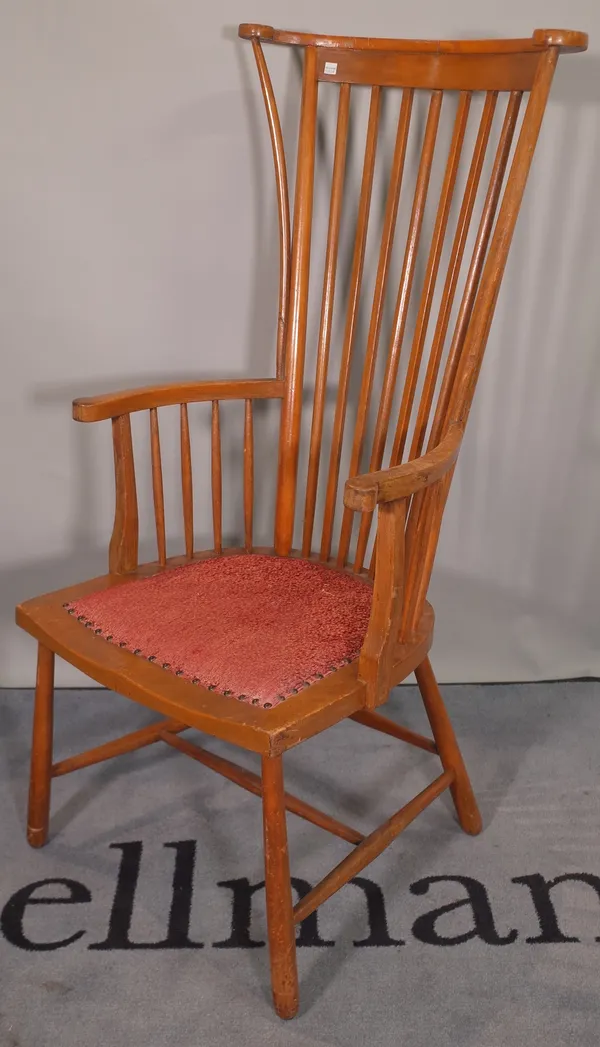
pixel 265 648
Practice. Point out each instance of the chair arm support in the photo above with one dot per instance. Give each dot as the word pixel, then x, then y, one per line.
pixel 377 653
pixel 364 493
pixel 113 405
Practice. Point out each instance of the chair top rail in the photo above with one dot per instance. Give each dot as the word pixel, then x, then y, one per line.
pixel 567 40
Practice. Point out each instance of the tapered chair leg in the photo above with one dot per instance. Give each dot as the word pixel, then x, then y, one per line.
pixel 278 888
pixel 447 746
pixel 41 750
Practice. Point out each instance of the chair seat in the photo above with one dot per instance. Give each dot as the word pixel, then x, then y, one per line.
pixel 255 628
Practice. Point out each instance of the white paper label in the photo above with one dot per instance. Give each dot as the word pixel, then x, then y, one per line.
pixel 330 68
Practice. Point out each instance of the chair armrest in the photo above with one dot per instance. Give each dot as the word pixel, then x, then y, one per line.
pixel 112 405
pixel 363 493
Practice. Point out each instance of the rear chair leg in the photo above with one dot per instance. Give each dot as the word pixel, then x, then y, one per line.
pixel 278 888
pixel 41 750
pixel 450 754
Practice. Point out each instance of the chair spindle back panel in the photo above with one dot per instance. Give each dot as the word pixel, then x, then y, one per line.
pixel 450 268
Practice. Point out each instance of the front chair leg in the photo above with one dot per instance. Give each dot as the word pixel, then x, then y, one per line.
pixel 41 750
pixel 447 746
pixel 278 888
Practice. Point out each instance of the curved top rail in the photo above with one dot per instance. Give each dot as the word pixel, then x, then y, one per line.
pixel 566 40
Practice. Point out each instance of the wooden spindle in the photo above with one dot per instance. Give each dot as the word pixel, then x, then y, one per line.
pixel 477 261
pixel 487 293
pixel 295 342
pixel 387 240
pixel 248 475
pixel 123 549
pixel 331 257
pixel 431 272
pixel 402 305
pixel 283 201
pixel 351 317
pixel 454 267
pixel 157 487
pixel 216 478
pixel 186 482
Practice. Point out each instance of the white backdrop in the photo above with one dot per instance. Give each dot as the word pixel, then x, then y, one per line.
pixel 133 205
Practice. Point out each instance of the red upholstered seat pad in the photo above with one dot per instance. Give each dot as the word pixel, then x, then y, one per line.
pixel 256 628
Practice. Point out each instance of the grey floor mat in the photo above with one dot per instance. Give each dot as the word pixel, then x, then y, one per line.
pixel 516 963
